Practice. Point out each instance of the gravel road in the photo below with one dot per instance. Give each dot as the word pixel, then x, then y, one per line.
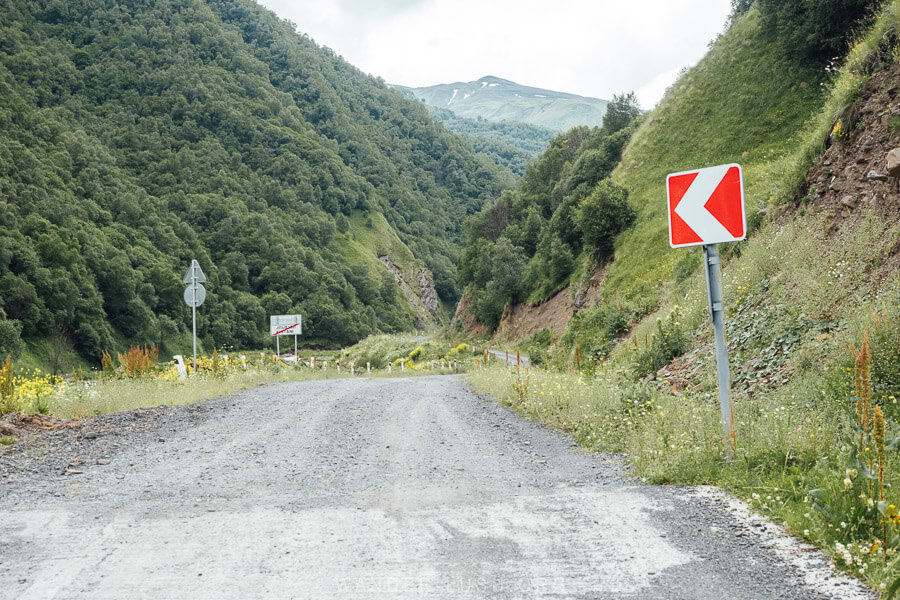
pixel 501 356
pixel 370 488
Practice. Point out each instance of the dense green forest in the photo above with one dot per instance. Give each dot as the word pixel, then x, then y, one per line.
pixel 509 143
pixel 527 244
pixel 137 135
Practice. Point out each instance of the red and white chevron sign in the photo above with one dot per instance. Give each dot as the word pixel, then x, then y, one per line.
pixel 706 206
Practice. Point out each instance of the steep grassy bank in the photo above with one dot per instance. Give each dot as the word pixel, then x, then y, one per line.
pixel 744 103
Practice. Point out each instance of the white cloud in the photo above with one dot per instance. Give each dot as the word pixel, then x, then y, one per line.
pixel 652 92
pixel 593 48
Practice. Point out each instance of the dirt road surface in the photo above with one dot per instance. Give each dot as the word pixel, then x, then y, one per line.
pixel 503 356
pixel 384 489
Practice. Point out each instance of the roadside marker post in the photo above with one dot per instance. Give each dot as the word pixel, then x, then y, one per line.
pixel 706 207
pixel 179 366
pixel 194 295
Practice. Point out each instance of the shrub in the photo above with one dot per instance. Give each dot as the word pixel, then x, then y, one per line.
pixel 816 30
pixel 10 338
pixel 602 216
pixel 598 330
pixel 506 263
pixel 669 341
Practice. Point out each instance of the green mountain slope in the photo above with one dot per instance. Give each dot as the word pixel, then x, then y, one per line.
pixel 744 102
pixel 136 136
pixel 497 99
pixel 508 143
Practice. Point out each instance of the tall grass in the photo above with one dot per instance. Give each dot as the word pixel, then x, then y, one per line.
pixel 90 398
pixel 795 448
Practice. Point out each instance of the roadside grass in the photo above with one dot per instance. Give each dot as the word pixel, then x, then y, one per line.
pixel 91 398
pixel 791 445
pixel 406 352
pixel 801 300
pixel 126 386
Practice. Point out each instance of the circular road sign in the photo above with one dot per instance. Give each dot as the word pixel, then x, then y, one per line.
pixel 192 298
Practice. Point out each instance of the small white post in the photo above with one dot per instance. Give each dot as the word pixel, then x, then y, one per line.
pixel 402 364
pixel 368 367
pixel 179 366
pixel 389 368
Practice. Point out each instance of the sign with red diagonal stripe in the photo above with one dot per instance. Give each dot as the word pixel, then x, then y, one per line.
pixel 285 325
pixel 706 206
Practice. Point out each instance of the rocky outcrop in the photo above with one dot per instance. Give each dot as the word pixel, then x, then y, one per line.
pixel 422 298
pixel 893 163
pixel 427 293
pixel 860 170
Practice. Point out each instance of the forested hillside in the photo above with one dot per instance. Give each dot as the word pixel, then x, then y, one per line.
pixel 135 136
pixel 559 222
pixel 509 143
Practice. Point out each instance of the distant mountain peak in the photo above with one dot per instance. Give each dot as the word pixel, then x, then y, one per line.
pixel 497 99
pixel 492 78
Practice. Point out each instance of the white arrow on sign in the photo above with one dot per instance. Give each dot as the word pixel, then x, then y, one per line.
pixel 692 207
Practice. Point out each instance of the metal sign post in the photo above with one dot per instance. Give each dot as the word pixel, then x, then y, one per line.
pixel 717 314
pixel 194 295
pixel 706 207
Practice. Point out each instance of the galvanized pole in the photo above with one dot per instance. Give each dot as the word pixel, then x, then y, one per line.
pixel 711 263
pixel 194 313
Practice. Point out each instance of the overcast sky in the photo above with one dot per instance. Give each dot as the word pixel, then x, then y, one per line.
pixel 589 47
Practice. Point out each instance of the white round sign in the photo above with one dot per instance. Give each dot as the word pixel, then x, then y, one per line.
pixel 194 298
